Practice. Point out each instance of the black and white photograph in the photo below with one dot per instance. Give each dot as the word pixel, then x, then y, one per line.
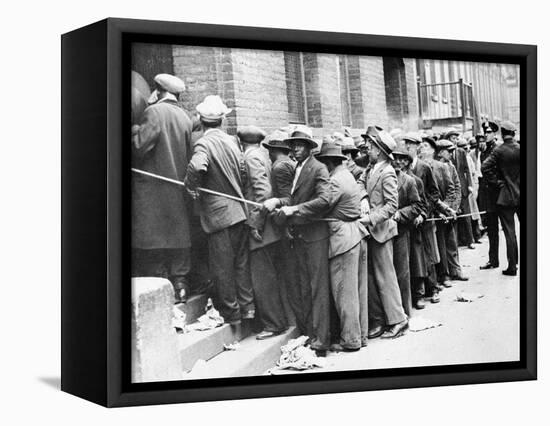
pixel 300 212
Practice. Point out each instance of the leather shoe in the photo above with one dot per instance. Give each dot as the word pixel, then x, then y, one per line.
pixel 321 353
pixel 510 272
pixel 375 332
pixel 267 334
pixel 396 330
pixel 419 304
pixel 459 278
pixel 446 284
pixel 488 265
pixel 337 347
pixel 435 297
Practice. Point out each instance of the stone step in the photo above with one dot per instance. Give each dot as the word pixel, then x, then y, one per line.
pixel 252 357
pixel 194 307
pixel 197 345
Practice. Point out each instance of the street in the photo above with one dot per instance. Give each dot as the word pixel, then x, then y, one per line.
pixel 485 330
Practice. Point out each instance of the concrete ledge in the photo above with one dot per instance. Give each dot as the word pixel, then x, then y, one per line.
pixel 253 357
pixel 155 354
pixel 207 344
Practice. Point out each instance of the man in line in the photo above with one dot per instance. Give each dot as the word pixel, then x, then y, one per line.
pixel 463 226
pixel 350 151
pixel 379 203
pixel 161 144
pixel 409 208
pixel 450 264
pixel 502 169
pixel 264 239
pixel 488 194
pixel 308 201
pixel 424 253
pixel 217 164
pixel 447 198
pixel 347 252
pixel 475 168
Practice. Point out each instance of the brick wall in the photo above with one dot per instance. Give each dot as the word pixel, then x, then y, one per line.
pixel 374 94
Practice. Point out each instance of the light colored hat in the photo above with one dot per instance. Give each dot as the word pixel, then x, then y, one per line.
pixel 278 139
pixel 331 150
pixel 413 137
pixel 302 133
pixel 338 137
pixel 348 145
pixel 212 108
pixel 251 134
pixel 170 83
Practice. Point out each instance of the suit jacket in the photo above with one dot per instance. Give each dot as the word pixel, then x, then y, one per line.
pixel 380 188
pixel 161 144
pixel 345 205
pixel 218 164
pixel 282 176
pixel 409 202
pixel 431 190
pixel 258 189
pixel 454 196
pixel 312 196
pixel 488 190
pixel 446 184
pixel 460 161
pixel 502 170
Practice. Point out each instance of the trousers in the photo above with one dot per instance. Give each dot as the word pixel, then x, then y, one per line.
pixel 401 262
pixel 448 251
pixel 268 285
pixel 309 290
pixel 506 215
pixel 385 304
pixel 464 231
pixel 491 222
pixel 348 281
pixel 230 271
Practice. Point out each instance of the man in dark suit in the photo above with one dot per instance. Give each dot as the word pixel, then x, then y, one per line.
pixel 488 194
pixel 217 164
pixel 309 200
pixel 161 144
pixel 409 208
pixel 424 282
pixel 379 202
pixel 502 169
pixel 267 280
pixel 463 226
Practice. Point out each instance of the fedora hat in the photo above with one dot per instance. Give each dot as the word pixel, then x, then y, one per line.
pixel 304 134
pixel 212 108
pixel 331 150
pixel 382 140
pixel 278 140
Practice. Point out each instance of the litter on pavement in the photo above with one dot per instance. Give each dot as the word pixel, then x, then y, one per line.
pixel 296 356
pixel 178 319
pixel 420 323
pixel 468 297
pixel 210 320
pixel 231 346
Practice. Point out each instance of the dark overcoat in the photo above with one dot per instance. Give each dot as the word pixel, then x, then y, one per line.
pixel 502 170
pixel 488 191
pixel 460 161
pixel 161 144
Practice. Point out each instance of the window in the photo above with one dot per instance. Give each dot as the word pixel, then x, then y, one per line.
pixel 345 97
pixel 295 87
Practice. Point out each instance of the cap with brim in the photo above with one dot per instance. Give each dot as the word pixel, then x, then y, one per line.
pixel 348 145
pixel 450 133
pixel 170 83
pixel 401 151
pixel 430 140
pixel 277 140
pixel 508 125
pixel 371 130
pixel 412 137
pixel 489 125
pixel 331 150
pixel 302 134
pixel 462 143
pixel 445 144
pixel 251 134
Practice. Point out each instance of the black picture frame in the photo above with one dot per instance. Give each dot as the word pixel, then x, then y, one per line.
pixel 95 212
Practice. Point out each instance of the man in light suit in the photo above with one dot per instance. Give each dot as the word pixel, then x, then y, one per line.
pixel 379 202
pixel 217 163
pixel 308 201
pixel 264 236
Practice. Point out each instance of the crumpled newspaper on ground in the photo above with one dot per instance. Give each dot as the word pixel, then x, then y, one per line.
pixel 420 324
pixel 468 297
pixel 210 320
pixel 296 356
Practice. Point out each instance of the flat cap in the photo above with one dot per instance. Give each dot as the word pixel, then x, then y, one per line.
pixel 413 137
pixel 462 143
pixel 170 83
pixel 277 139
pixel 508 126
pixel 401 151
pixel 251 134
pixel 445 144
